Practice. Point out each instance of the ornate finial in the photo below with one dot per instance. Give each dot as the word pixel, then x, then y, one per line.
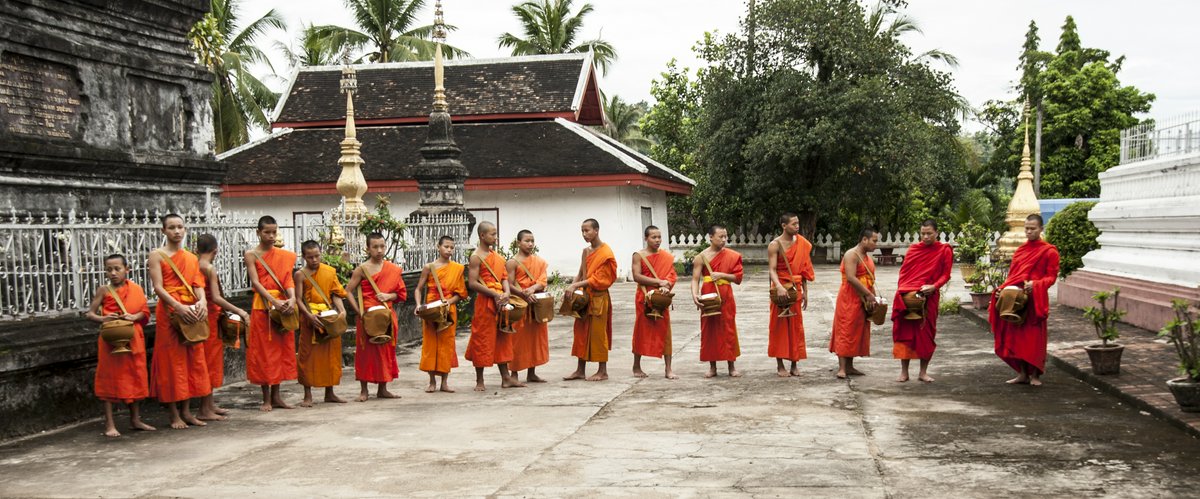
pixel 1023 203
pixel 1025 159
pixel 439 36
pixel 439 23
pixel 351 184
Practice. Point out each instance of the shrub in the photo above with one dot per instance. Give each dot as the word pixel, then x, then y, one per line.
pixel 1182 333
pixel 972 244
pixel 950 306
pixel 1073 234
pixel 1104 319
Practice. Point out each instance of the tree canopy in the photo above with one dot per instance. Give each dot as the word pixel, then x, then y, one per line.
pixel 549 28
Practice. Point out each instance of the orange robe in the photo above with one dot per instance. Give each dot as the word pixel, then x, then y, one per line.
pixel 320 364
pixel 214 348
pixel 923 264
pixel 178 371
pixel 531 342
pixel 377 363
pixel 1025 344
pixel 851 335
pixel 718 333
pixel 652 337
pixel 271 352
pixel 121 377
pixel 488 346
pixel 438 353
pixel 593 331
pixel 787 333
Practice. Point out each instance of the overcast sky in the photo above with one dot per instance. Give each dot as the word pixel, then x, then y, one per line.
pixel 985 35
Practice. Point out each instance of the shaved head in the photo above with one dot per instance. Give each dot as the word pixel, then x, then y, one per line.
pixel 484 227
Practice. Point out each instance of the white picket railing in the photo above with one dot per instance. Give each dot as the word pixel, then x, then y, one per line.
pixel 754 246
pixel 1172 136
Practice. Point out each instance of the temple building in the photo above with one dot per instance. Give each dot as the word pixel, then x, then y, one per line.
pixel 522 123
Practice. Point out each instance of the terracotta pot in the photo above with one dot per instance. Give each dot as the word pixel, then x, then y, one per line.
pixel 981 300
pixel 1105 360
pixel 1187 393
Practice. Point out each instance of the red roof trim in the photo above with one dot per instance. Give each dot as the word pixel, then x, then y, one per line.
pixel 414 120
pixel 481 184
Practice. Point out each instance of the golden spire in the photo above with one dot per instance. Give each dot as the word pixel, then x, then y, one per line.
pixel 1024 203
pixel 439 36
pixel 351 184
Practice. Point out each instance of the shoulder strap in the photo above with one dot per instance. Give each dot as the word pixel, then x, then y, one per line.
pixel 489 269
pixel 525 269
pixel 646 263
pixel 706 265
pixel 869 272
pixel 371 281
pixel 112 292
pixel 269 271
pixel 437 282
pixel 317 287
pixel 179 274
pixel 788 261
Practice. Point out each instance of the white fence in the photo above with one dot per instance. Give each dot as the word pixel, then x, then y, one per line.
pixel 753 247
pixel 1176 135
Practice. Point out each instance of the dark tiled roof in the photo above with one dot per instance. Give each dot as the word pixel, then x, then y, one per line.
pixel 535 84
pixel 490 150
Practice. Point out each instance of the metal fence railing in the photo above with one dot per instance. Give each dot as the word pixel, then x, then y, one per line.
pixel 1173 136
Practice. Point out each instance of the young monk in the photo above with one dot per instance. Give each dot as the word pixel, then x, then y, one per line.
pixel 926 269
pixel 178 369
pixel 438 353
pixel 121 377
pixel 527 278
pixel 718 266
pixel 214 348
pixel 851 335
pixel 270 349
pixel 319 362
pixel 382 284
pixel 488 345
pixel 593 331
pixel 789 259
pixel 1035 269
pixel 653 269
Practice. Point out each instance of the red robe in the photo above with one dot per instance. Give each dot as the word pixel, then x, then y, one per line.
pixel 593 331
pixel 787 333
pixel 1025 344
pixel 718 333
pixel 178 371
pixel 488 346
pixel 438 353
pixel 214 348
pixel 377 363
pixel 923 264
pixel 121 378
pixel 271 352
pixel 531 342
pixel 652 337
pixel 851 335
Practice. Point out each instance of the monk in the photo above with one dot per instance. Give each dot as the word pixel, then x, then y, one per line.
pixel 926 269
pixel 381 283
pixel 318 360
pixel 121 377
pixel 527 278
pixel 654 270
pixel 270 349
pixel 851 335
pixel 214 348
pixel 1035 269
pixel 789 259
pixel 442 281
pixel 178 369
pixel 593 331
pixel 489 346
pixel 714 269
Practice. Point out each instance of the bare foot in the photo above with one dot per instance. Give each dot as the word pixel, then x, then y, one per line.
pixel 854 372
pixel 280 404
pixel 638 373
pixel 574 376
pixel 221 410
pixel 795 372
pixel 306 403
pixel 782 373
pixel 598 377
pixel 191 420
pixel 112 432
pixel 266 407
pixel 479 387
pixel 334 399
pixel 384 394
pixel 512 383
pixel 533 378
pixel 446 388
pixel 1019 380
pixel 712 373
pixel 1035 382
pixel 735 373
pixel 362 397
pixel 841 374
pixel 671 374
pixel 431 388
pixel 205 416
pixel 926 378
pixel 902 379
pixel 178 424
pixel 138 425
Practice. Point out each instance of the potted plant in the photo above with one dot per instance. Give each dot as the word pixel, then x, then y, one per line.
pixel 1182 333
pixel 1105 357
pixel 981 295
pixel 970 246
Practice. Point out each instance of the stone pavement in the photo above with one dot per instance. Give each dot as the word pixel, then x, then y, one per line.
pixel 968 434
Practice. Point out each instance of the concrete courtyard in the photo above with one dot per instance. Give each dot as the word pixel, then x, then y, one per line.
pixel 967 434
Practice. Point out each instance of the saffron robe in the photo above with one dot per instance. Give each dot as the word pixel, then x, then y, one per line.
pixel 214 348
pixel 178 371
pixel 319 364
pixel 787 333
pixel 377 363
pixel 531 342
pixel 1025 344
pixel 923 264
pixel 851 335
pixel 122 378
pixel 652 337
pixel 593 331
pixel 718 333
pixel 488 346
pixel 438 353
pixel 271 352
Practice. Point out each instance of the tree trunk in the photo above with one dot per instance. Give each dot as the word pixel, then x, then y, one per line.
pixel 808 224
pixel 1037 157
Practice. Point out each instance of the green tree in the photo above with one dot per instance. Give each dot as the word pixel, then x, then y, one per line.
pixel 387 32
pixel 549 28
pixel 311 50
pixel 622 122
pixel 240 101
pixel 671 122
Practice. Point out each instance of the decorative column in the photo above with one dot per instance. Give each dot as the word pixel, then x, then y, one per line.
pixel 351 184
pixel 1024 203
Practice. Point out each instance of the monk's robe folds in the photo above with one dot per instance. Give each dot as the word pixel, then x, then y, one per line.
pixel 531 343
pixel 593 331
pixel 438 354
pixel 1025 344
pixel 377 363
pixel 718 333
pixel 319 364
pixel 214 348
pixel 652 337
pixel 787 333
pixel 121 377
pixel 178 371
pixel 271 352
pixel 851 327
pixel 488 346
pixel 923 264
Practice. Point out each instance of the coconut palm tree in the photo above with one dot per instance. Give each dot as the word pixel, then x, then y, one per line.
pixel 549 28
pixel 310 50
pixel 387 32
pixel 240 100
pixel 622 123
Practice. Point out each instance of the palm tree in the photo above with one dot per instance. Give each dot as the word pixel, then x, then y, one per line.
pixel 240 100
pixel 386 32
pixel 311 51
pixel 622 123
pixel 549 28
